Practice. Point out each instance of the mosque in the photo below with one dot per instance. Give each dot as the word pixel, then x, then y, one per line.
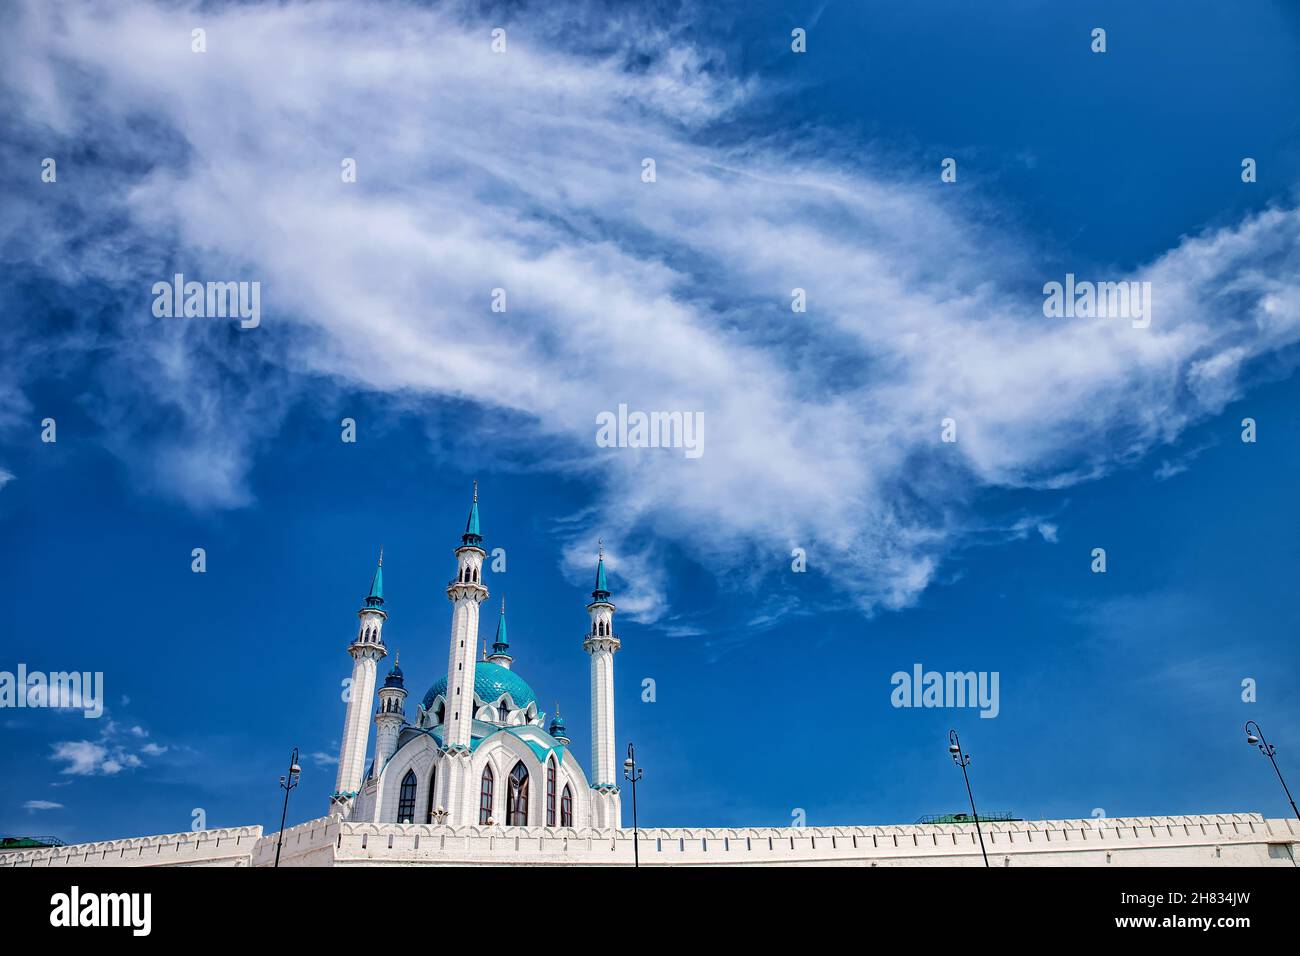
pixel 477 749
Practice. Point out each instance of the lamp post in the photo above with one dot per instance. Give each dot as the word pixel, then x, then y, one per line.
pixel 963 760
pixel 1268 750
pixel 632 772
pixel 287 784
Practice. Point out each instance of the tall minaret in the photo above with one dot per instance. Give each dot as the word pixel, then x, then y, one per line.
pixel 466 593
pixel 391 715
pixel 601 643
pixel 367 650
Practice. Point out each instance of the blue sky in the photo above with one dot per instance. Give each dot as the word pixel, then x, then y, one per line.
pixel 1119 691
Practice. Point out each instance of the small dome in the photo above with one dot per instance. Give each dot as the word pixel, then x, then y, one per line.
pixel 490 682
pixel 395 678
pixel 557 728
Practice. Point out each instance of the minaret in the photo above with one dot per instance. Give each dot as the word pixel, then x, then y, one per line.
pixel 601 643
pixel 557 727
pixel 501 646
pixel 466 592
pixel 391 715
pixel 367 650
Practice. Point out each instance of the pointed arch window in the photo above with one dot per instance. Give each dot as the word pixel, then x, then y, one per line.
pixel 433 788
pixel 406 799
pixel 485 796
pixel 517 804
pixel 566 807
pixel 550 791
pixel 503 710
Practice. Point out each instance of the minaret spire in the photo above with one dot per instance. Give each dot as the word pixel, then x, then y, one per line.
pixel 501 646
pixel 376 596
pixel 602 584
pixel 472 537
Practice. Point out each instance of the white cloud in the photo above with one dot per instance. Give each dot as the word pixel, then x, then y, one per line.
pixel 34 805
pixel 521 171
pixel 323 759
pixel 111 754
pixel 83 757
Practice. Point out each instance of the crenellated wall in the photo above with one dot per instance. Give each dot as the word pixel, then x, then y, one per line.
pixel 1244 839
pixel 1229 839
pixel 232 846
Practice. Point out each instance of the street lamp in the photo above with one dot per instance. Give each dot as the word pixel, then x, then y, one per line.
pixel 632 772
pixel 963 760
pixel 1256 739
pixel 287 784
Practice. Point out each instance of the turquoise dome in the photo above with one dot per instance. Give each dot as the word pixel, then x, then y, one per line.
pixel 490 682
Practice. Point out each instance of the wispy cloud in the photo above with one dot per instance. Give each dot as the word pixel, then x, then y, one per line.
pixel 522 171
pixel 34 805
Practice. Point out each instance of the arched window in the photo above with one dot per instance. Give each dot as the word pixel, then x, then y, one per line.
pixel 550 792
pixel 503 710
pixel 433 788
pixel 517 812
pixel 566 807
pixel 485 796
pixel 406 799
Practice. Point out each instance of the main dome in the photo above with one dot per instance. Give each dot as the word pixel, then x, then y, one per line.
pixel 490 682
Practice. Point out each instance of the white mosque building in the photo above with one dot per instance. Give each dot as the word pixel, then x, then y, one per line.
pixel 476 776
pixel 477 749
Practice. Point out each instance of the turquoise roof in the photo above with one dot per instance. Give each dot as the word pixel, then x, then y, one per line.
pixel 376 596
pixel 602 585
pixel 490 682
pixel 501 643
pixel 472 533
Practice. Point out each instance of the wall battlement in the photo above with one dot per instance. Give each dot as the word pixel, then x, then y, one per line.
pixel 1226 839
pixel 232 846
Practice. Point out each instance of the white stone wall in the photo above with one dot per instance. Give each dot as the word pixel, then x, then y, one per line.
pixel 1210 840
pixel 232 846
pixel 1230 839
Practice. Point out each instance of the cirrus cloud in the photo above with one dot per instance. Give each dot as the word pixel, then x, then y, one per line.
pixel 522 171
